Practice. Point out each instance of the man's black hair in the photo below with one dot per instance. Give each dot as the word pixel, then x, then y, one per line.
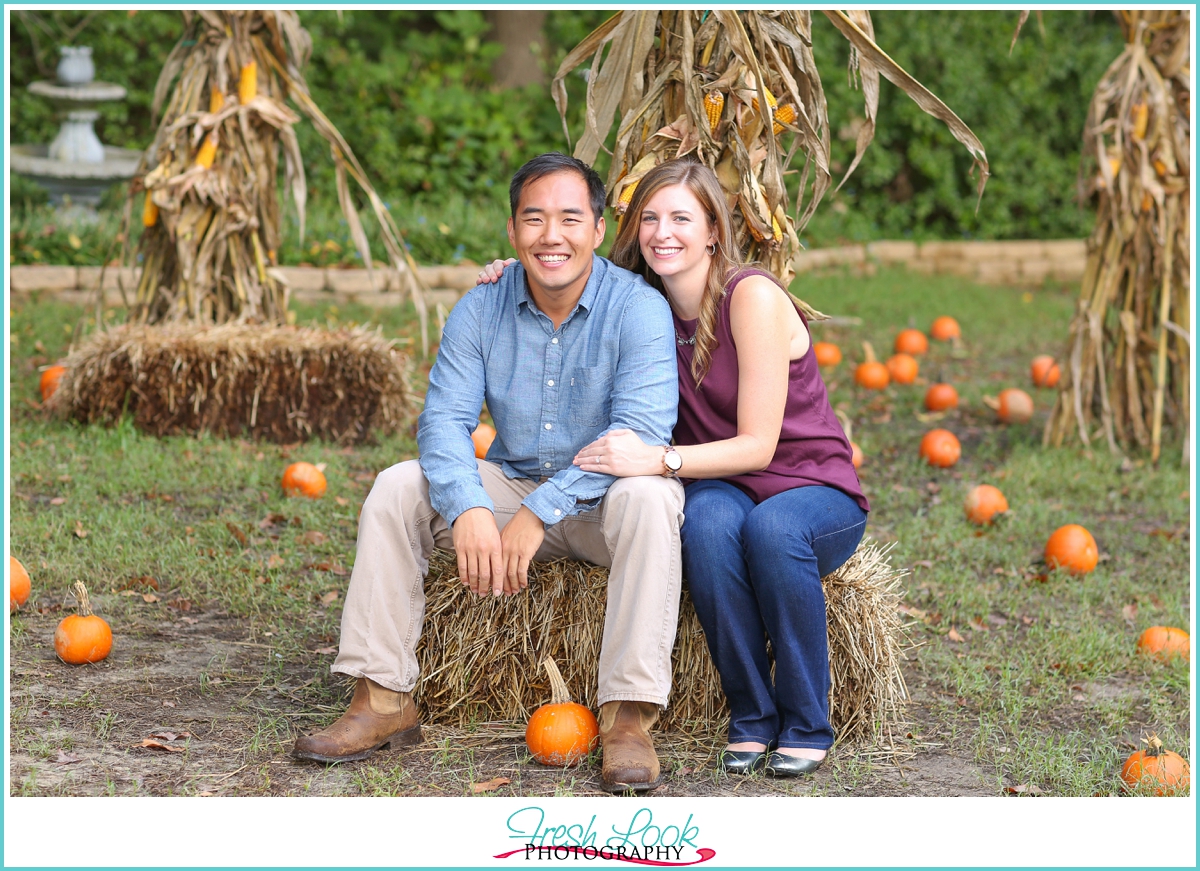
pixel 552 162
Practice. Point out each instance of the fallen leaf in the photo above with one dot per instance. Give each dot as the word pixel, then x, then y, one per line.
pixel 140 581
pixel 58 500
pixel 489 785
pixel 338 571
pixel 313 536
pixel 911 611
pixel 1026 619
pixel 168 704
pixel 998 571
pixel 341 500
pixel 170 736
pixel 923 563
pixel 65 478
pixel 274 561
pixel 237 533
pixel 329 598
pixel 326 651
pixel 978 625
pixel 271 519
pixel 67 758
pixel 80 532
pixel 206 792
pixel 149 598
pixel 191 621
pixel 1129 612
pixel 954 636
pixel 933 487
pixel 151 744
pixel 1023 789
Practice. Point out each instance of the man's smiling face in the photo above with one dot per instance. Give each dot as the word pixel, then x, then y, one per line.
pixel 554 234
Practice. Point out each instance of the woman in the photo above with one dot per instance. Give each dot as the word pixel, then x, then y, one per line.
pixel 773 501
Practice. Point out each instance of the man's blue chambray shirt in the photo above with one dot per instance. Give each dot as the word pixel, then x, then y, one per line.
pixel 610 365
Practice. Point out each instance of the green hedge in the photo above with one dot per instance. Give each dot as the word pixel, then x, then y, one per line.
pixel 412 92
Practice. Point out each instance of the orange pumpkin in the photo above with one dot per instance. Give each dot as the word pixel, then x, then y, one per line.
pixel 941 397
pixel 945 328
pixel 828 354
pixel 49 380
pixel 1072 547
pixel 940 448
pixel 903 368
pixel 561 732
pixel 304 479
pixel 1044 371
pixel 856 455
pixel 1156 768
pixel 82 637
pixel 912 342
pixel 1165 643
pixel 483 437
pixel 983 503
pixel 1012 406
pixel 18 584
pixel 872 375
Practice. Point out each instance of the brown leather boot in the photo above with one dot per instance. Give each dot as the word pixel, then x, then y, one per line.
pixel 376 717
pixel 630 763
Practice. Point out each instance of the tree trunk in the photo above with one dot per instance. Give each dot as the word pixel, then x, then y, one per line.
pixel 519 31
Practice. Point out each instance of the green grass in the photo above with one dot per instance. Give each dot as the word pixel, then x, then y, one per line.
pixel 1045 690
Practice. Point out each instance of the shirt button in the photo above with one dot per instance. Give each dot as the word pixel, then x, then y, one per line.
pixel 550 383
pixel 549 426
pixel 554 341
pixel 557 512
pixel 547 465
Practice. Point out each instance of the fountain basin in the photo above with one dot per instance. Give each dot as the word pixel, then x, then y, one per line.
pixel 82 183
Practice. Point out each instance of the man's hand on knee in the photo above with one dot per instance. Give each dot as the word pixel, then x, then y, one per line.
pixel 521 539
pixel 480 553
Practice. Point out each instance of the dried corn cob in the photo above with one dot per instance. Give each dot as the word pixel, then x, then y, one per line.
pixel 216 101
pixel 771 101
pixel 208 151
pixel 784 115
pixel 714 103
pixel 149 212
pixel 626 196
pixel 1141 120
pixel 248 83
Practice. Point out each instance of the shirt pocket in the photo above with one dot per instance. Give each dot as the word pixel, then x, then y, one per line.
pixel 591 396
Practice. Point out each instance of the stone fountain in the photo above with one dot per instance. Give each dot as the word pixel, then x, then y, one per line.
pixel 76 167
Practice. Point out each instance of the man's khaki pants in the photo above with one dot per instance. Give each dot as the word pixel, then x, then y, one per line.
pixel 634 531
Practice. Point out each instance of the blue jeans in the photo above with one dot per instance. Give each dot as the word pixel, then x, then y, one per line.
pixel 754 572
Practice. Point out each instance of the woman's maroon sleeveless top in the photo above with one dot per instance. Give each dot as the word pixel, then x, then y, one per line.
pixel 812 449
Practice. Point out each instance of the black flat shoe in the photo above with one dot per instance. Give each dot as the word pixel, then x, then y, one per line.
pixel 783 765
pixel 742 761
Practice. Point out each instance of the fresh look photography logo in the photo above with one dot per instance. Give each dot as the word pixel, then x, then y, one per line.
pixel 640 839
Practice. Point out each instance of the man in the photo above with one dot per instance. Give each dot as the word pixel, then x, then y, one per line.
pixel 564 348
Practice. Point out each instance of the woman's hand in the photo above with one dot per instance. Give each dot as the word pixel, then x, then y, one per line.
pixel 491 273
pixel 621 453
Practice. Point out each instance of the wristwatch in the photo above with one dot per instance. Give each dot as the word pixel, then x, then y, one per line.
pixel 672 462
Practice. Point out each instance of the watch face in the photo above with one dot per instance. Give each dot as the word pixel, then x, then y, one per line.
pixel 673 461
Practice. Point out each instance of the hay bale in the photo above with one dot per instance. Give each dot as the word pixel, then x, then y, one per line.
pixel 479 657
pixel 283 384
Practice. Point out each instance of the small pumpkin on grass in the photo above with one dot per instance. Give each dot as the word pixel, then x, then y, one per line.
pixel 871 374
pixel 1156 768
pixel 48 383
pixel 945 329
pixel 941 397
pixel 1044 371
pixel 903 368
pixel 482 438
pixel 304 479
pixel 827 353
pixel 1013 405
pixel 983 503
pixel 1072 547
pixel 82 637
pixel 561 732
pixel 912 342
pixel 18 584
pixel 1165 643
pixel 941 448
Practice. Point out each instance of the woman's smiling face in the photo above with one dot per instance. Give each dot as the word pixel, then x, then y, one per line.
pixel 674 234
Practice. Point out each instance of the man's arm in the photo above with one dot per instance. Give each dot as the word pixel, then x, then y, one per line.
pixel 645 399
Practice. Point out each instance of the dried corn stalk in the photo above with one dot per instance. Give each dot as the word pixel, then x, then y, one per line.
pixel 1128 357
pixel 661 71
pixel 212 225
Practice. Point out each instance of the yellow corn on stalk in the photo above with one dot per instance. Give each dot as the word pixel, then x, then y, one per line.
pixel 1147 202
pixel 216 101
pixel 149 212
pixel 1141 120
pixel 208 151
pixel 626 196
pixel 770 101
pixel 776 231
pixel 248 83
pixel 714 102
pixel 783 115
pixel 1114 163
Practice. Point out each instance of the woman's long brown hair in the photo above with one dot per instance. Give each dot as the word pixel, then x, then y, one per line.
pixel 627 252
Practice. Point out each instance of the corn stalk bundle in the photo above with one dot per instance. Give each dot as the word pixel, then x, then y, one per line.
pixel 1129 351
pixel 212 208
pixel 279 383
pixel 479 656
pixel 741 92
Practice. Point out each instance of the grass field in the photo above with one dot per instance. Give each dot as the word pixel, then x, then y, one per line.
pixel 225 596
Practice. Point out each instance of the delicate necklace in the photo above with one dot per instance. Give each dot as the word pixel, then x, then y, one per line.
pixel 682 341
